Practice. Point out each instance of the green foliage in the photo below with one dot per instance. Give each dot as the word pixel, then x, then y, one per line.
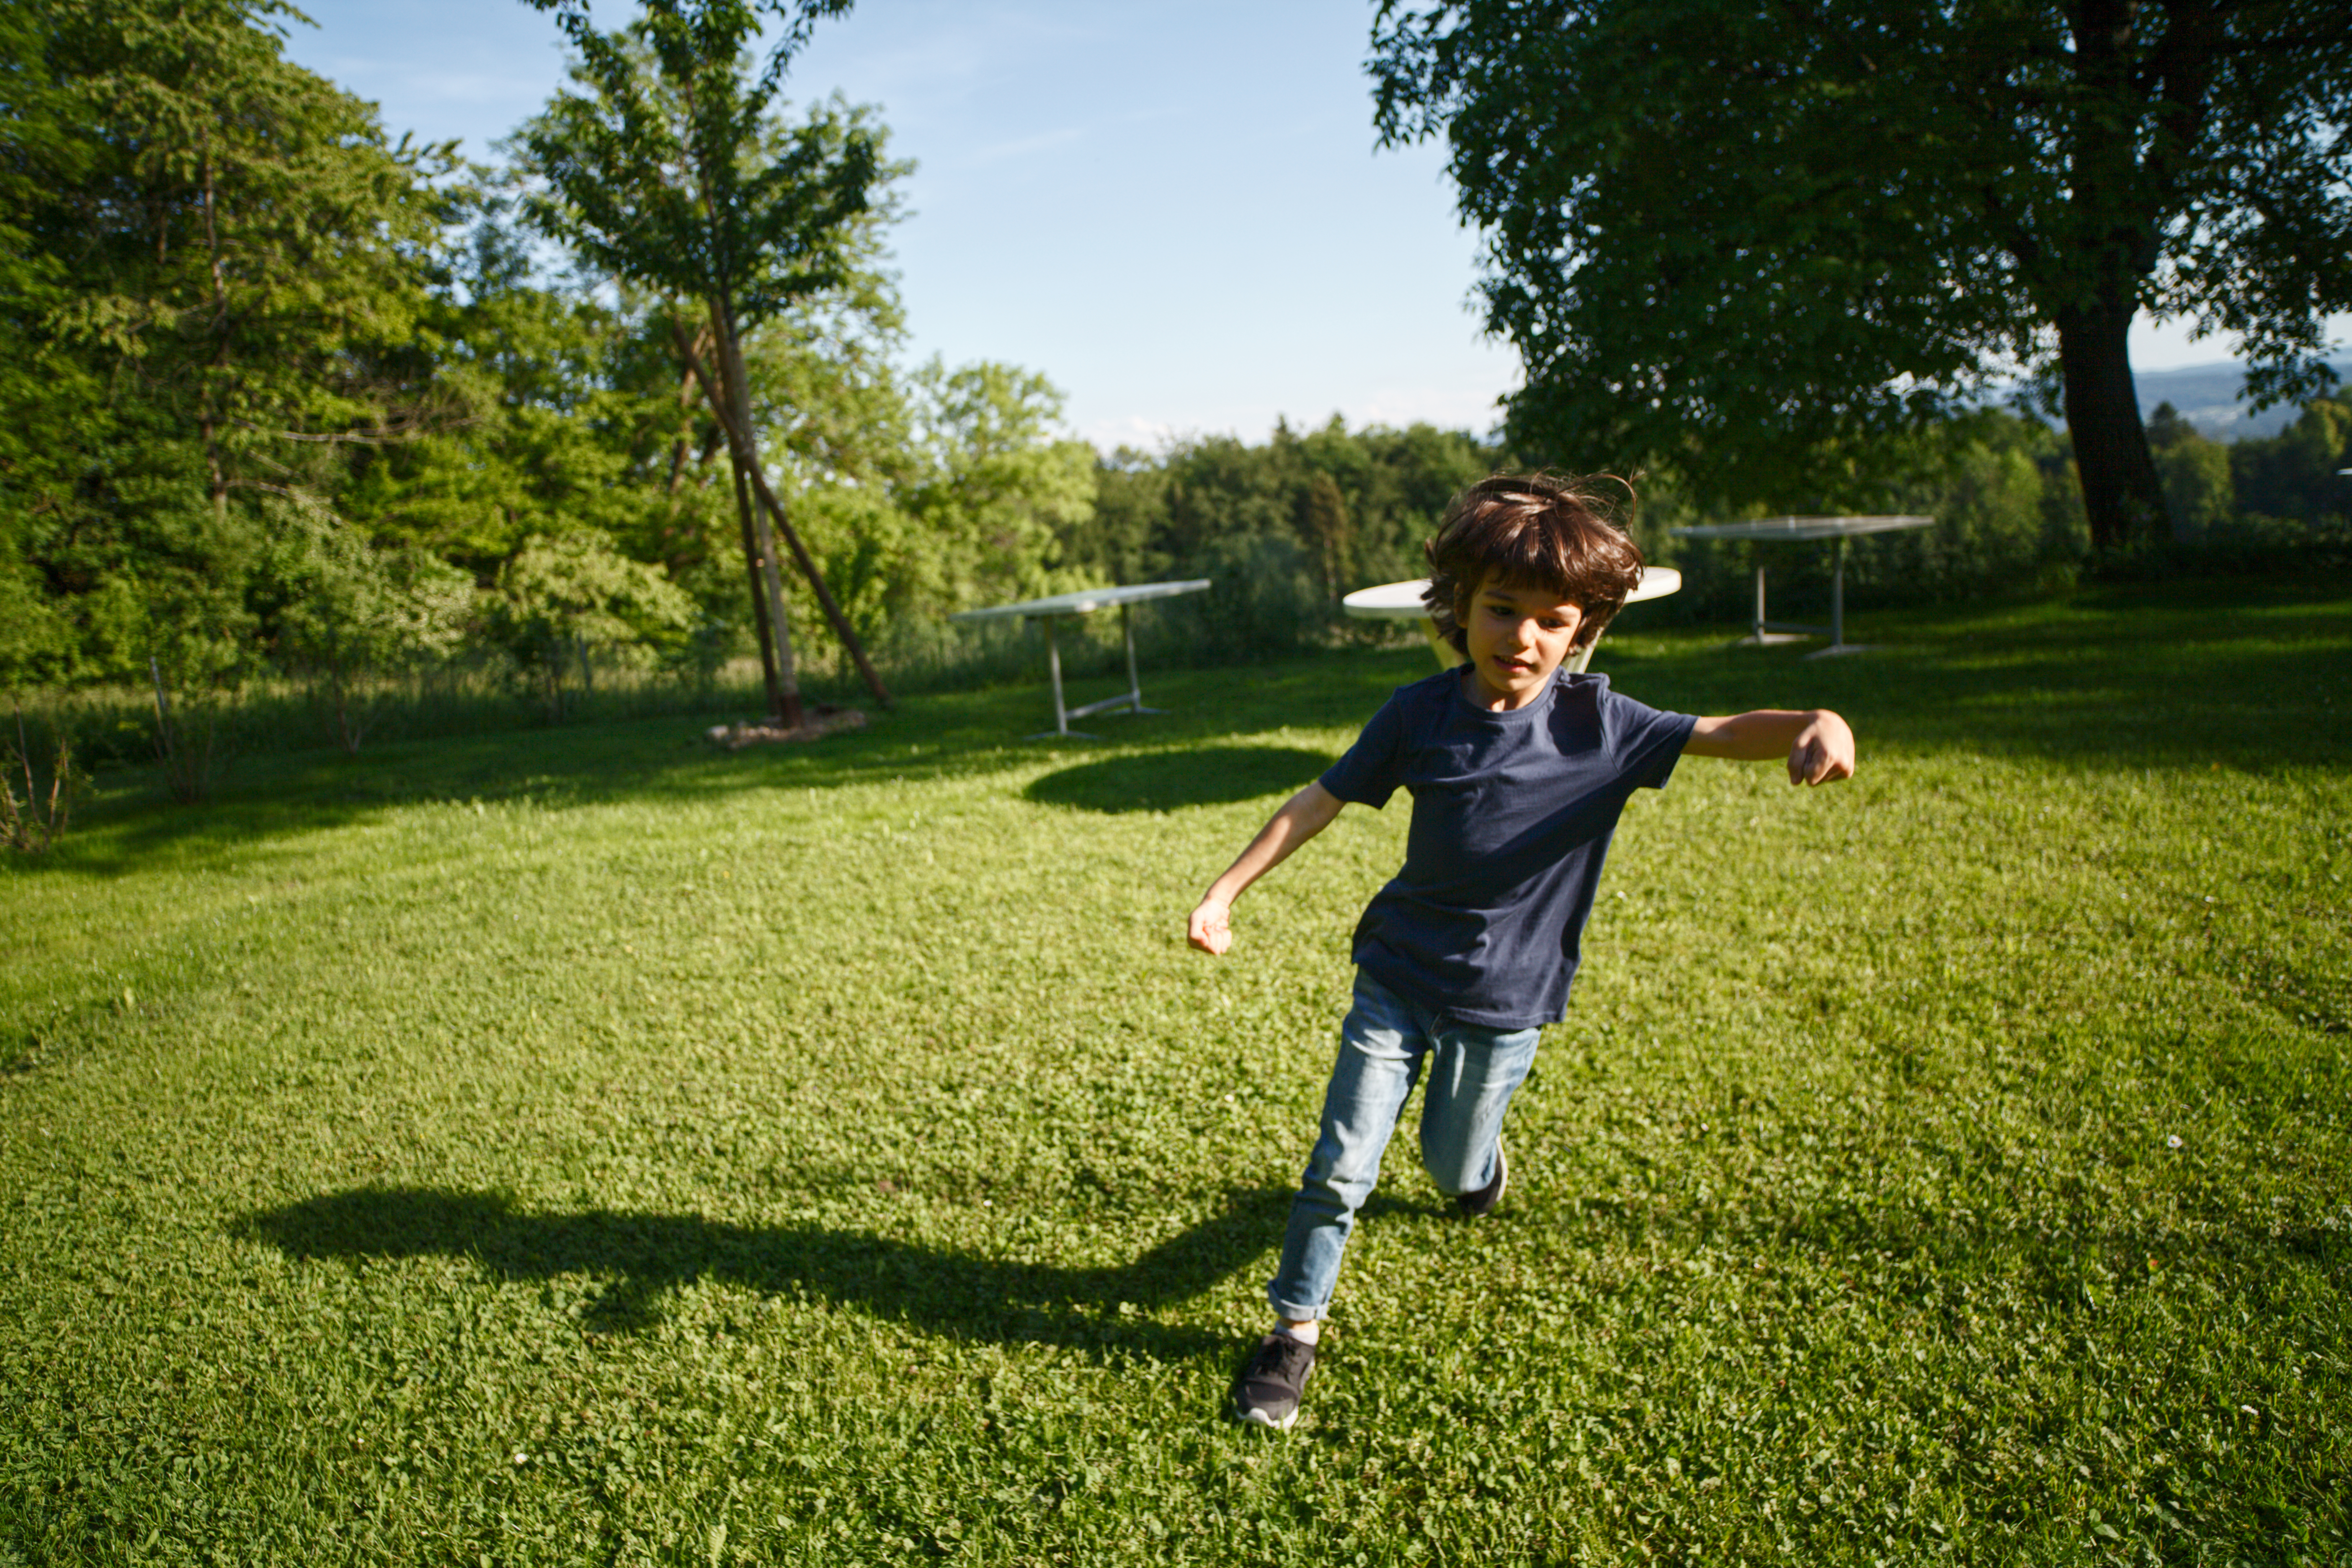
pixel 2198 490
pixel 354 612
pixel 575 1147
pixel 1746 243
pixel 215 293
pixel 245 245
pixel 574 418
pixel 672 174
pixel 562 600
pixel 1261 522
pixel 1329 533
pixel 39 819
pixel 674 177
pixel 994 490
pixel 2298 473
pixel 2008 524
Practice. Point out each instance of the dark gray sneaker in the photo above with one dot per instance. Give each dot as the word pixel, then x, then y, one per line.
pixel 1474 1204
pixel 1268 1389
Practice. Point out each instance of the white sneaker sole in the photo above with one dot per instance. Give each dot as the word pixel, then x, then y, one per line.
pixel 1253 1416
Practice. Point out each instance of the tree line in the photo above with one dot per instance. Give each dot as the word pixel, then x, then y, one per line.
pixel 278 392
pixel 283 393
pixel 1752 237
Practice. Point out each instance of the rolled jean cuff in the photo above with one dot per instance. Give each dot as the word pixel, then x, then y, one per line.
pixel 1292 1312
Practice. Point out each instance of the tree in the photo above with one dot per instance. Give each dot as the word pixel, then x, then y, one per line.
pixel 2195 472
pixel 248 247
pixel 1323 523
pixel 211 275
pixel 573 417
pixel 2299 472
pixel 673 177
pixel 563 599
pixel 995 491
pixel 1750 234
pixel 353 612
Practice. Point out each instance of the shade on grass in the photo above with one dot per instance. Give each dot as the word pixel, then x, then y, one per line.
pixel 577 1146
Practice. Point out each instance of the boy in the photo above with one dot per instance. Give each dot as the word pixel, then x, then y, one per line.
pixel 1517 775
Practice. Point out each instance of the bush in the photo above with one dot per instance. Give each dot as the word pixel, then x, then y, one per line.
pixel 563 600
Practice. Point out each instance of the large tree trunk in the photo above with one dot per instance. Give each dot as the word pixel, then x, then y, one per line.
pixel 2114 238
pixel 748 516
pixel 786 699
pixel 743 512
pixel 2121 494
pixel 718 397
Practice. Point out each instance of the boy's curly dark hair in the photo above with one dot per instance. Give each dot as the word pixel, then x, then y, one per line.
pixel 1534 530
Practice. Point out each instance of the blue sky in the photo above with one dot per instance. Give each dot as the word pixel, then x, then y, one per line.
pixel 1172 207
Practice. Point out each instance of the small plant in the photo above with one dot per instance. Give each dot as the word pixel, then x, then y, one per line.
pixel 39 819
pixel 186 735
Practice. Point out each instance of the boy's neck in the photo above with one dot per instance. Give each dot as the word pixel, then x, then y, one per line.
pixel 1478 694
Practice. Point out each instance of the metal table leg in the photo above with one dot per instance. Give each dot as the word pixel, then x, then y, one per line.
pixel 1763 633
pixel 1837 611
pixel 1061 730
pixel 1134 683
pixel 1132 698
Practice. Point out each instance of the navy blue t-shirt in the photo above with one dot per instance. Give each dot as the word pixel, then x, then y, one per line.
pixel 1511 818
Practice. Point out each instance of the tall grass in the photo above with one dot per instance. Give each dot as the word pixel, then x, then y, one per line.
pixel 115 727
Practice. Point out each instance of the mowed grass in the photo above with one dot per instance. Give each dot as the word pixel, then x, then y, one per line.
pixel 579 1146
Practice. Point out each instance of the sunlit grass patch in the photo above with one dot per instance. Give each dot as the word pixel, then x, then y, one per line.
pixel 584 1146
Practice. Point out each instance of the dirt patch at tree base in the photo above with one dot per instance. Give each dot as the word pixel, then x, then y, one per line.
pixel 821 720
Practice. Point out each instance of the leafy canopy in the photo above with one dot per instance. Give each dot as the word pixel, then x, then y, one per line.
pixel 670 173
pixel 1751 234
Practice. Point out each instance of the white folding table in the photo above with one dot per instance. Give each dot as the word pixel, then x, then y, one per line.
pixel 1840 529
pixel 1086 602
pixel 1403 602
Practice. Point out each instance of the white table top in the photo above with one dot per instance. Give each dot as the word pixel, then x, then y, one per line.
pixel 1085 601
pixel 1401 600
pixel 1803 527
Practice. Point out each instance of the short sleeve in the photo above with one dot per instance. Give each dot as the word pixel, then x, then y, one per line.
pixel 1643 741
pixel 1367 774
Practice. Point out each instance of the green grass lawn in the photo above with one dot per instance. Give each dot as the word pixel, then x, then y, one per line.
pixel 579 1146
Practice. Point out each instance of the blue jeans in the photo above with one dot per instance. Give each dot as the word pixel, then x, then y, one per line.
pixel 1383 1046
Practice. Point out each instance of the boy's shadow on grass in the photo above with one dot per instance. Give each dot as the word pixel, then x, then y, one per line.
pixel 1163 781
pixel 645 1255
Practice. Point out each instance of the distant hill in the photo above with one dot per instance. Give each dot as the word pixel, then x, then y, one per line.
pixel 2207 397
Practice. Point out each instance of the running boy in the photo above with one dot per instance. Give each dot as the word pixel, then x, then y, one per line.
pixel 1518 774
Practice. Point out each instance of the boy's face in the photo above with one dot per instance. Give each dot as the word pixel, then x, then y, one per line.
pixel 1518 638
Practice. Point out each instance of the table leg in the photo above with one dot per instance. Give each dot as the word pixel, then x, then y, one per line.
pixel 1130 699
pixel 1763 633
pixel 1054 663
pixel 1446 655
pixel 1838 644
pixel 1061 730
pixel 1134 682
pixel 1837 597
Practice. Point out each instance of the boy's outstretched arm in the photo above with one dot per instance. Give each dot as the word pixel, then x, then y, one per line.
pixel 1300 818
pixel 1819 744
